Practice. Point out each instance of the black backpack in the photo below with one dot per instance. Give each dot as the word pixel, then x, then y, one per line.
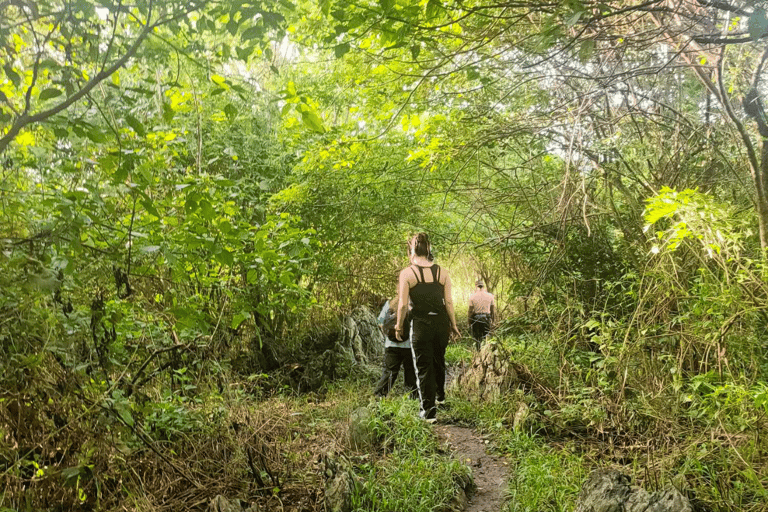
pixel 390 323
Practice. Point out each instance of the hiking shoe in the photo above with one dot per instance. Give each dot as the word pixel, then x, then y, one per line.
pixel 431 420
pixel 439 402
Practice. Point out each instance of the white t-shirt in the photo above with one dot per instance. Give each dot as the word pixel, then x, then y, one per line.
pixel 387 342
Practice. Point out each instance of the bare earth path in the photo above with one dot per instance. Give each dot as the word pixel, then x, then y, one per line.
pixel 488 471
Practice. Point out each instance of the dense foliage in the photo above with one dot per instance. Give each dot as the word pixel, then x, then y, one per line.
pixel 186 184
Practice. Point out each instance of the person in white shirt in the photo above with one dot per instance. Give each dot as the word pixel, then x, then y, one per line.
pixel 396 353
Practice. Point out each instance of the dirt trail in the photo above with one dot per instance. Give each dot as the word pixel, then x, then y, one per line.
pixel 488 471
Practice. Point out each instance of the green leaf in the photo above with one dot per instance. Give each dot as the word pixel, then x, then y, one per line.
pixel 244 53
pixel 574 19
pixel 586 50
pixel 341 49
pixel 758 24
pixel 50 93
pixel 415 51
pixel 325 6
pixel 313 121
pixel 137 126
pixel 231 112
pixel 239 318
pixel 207 210
pixel 150 206
pixel 433 8
pixel 12 75
pixel 232 26
pixel 225 257
pixel 190 205
pixel 168 112
pixel 252 33
pixel 96 135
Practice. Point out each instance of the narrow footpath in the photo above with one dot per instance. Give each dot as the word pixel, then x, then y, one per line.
pixel 489 471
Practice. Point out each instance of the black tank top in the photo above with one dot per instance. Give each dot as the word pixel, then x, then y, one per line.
pixel 428 298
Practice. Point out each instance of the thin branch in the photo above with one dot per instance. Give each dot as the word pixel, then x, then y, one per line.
pixel 25 120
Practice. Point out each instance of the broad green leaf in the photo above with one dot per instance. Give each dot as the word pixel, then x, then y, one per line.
pixel 149 205
pixel 96 135
pixel 231 112
pixel 137 126
pixel 232 26
pixel 168 112
pixel 341 49
pixel 225 257
pixel 244 52
pixel 207 210
pixel 11 74
pixel 574 19
pixel 433 8
pixel 239 319
pixel 313 121
pixel 252 33
pixel 50 93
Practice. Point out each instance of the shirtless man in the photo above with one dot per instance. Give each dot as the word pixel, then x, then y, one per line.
pixel 482 312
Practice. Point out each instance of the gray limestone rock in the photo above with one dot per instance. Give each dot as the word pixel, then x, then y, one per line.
pixel 607 490
pixel 362 335
pixel 222 504
pixel 361 436
pixel 339 483
pixel 490 375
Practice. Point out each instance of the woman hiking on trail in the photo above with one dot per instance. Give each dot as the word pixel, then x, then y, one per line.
pixel 428 288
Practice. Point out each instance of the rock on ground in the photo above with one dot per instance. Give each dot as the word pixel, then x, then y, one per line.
pixel 361 333
pixel 339 483
pixel 360 435
pixel 222 504
pixel 607 490
pixel 358 343
pixel 491 374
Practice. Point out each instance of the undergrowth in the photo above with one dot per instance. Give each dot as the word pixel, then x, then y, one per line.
pixel 701 434
pixel 416 474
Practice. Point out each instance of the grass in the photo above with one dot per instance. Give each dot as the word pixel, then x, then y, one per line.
pixel 416 474
pixel 706 439
pixel 460 352
pixel 712 448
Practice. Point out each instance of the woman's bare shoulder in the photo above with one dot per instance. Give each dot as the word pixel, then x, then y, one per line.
pixel 444 275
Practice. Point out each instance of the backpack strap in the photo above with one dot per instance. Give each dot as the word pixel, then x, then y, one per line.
pixel 417 275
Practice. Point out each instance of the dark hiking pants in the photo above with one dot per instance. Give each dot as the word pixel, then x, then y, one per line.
pixel 394 357
pixel 429 340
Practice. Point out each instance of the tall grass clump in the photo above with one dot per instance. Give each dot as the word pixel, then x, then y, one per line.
pixel 416 475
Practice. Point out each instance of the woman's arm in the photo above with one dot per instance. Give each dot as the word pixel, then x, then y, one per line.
pixel 402 306
pixel 448 296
